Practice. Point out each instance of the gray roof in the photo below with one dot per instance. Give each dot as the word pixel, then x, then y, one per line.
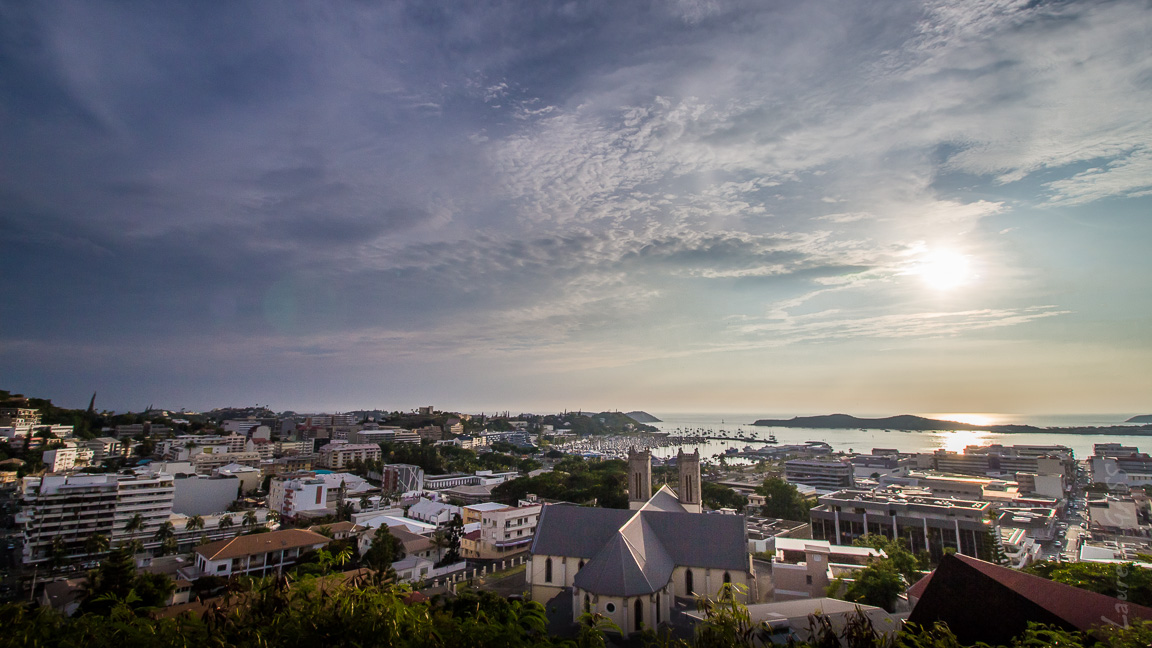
pixel 634 552
pixel 664 500
pixel 580 531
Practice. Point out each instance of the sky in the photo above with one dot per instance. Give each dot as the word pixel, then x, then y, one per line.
pixel 763 206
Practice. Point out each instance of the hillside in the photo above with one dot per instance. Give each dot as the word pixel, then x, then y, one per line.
pixel 1143 418
pixel 845 421
pixel 642 417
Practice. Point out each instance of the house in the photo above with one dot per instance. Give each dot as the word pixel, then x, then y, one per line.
pixel 629 565
pixel 804 568
pixel 963 591
pixel 259 554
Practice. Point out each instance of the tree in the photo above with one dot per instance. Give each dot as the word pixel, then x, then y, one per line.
pixel 250 519
pixel 169 546
pixel 1112 579
pixel 225 522
pixel 135 524
pixel 96 543
pixel 195 522
pixel 166 530
pixel 878 584
pixel 453 534
pixel 782 500
pixel 902 560
pixel 384 550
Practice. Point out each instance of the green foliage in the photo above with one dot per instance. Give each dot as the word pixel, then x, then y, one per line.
pixel 782 500
pixel 450 539
pixel 573 480
pixel 384 550
pixel 1124 581
pixel 903 561
pixel 717 497
pixel 115 583
pixel 878 584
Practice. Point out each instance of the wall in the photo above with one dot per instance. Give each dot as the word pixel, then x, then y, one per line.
pixel 204 495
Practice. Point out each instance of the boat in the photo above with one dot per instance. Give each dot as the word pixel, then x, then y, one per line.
pixel 771 439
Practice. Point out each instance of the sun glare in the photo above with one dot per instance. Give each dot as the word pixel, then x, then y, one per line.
pixel 960 439
pixel 944 270
pixel 971 418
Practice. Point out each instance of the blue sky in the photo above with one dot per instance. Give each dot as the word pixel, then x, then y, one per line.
pixel 781 207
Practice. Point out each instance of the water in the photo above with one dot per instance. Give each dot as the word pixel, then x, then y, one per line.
pixel 863 441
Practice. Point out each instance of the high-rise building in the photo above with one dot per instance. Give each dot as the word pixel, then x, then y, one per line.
pixel 61 512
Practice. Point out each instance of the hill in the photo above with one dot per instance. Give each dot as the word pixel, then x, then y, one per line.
pixel 1143 418
pixel 845 421
pixel 642 417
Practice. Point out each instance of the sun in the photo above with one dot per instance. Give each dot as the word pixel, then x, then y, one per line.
pixel 944 270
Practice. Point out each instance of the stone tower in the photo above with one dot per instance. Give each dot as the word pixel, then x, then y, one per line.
pixel 639 478
pixel 689 466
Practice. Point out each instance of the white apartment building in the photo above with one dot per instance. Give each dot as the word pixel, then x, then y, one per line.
pixel 75 507
pixel 822 475
pixel 293 493
pixel 335 456
pixel 205 462
pixel 104 448
pixel 506 530
pixel 66 458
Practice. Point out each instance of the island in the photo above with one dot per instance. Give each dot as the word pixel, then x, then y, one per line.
pixel 1143 418
pixel 908 422
pixel 642 417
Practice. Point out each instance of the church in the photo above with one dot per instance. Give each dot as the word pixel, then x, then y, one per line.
pixel 631 565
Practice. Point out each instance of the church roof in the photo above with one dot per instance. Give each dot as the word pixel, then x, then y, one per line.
pixel 634 552
pixel 664 500
pixel 579 531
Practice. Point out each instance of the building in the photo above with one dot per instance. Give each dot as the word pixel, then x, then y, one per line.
pixel 104 448
pixel 821 475
pixel 1113 514
pixel 294 493
pixel 506 530
pixel 73 508
pixel 204 495
pixel 400 478
pixel 804 568
pixel 982 602
pixel 260 554
pixel 65 458
pixel 336 456
pixel 19 416
pixel 927 523
pixel 629 565
pixel 207 462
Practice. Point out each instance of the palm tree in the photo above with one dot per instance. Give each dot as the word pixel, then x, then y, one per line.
pixel 225 522
pixel 169 546
pixel 166 530
pixel 250 519
pixel 195 522
pixel 96 543
pixel 135 524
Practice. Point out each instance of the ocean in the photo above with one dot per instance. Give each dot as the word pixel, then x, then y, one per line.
pixel 863 441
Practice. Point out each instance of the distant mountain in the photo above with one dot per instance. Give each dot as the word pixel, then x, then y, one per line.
pixel 845 421
pixel 642 417
pixel 1143 418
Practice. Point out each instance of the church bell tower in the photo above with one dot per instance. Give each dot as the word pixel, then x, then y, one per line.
pixel 639 478
pixel 689 467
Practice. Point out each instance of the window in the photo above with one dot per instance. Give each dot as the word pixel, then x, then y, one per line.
pixel 808 579
pixel 689 587
pixel 581 565
pixel 657 609
pixel 639 611
pixel 727 578
pixel 548 570
pixel 609 607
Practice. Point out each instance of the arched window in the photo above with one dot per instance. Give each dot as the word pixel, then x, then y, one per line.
pixel 587 603
pixel 689 587
pixel 657 609
pixel 580 566
pixel 727 578
pixel 547 570
pixel 639 607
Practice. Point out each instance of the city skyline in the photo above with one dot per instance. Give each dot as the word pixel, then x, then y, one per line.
pixel 902 207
